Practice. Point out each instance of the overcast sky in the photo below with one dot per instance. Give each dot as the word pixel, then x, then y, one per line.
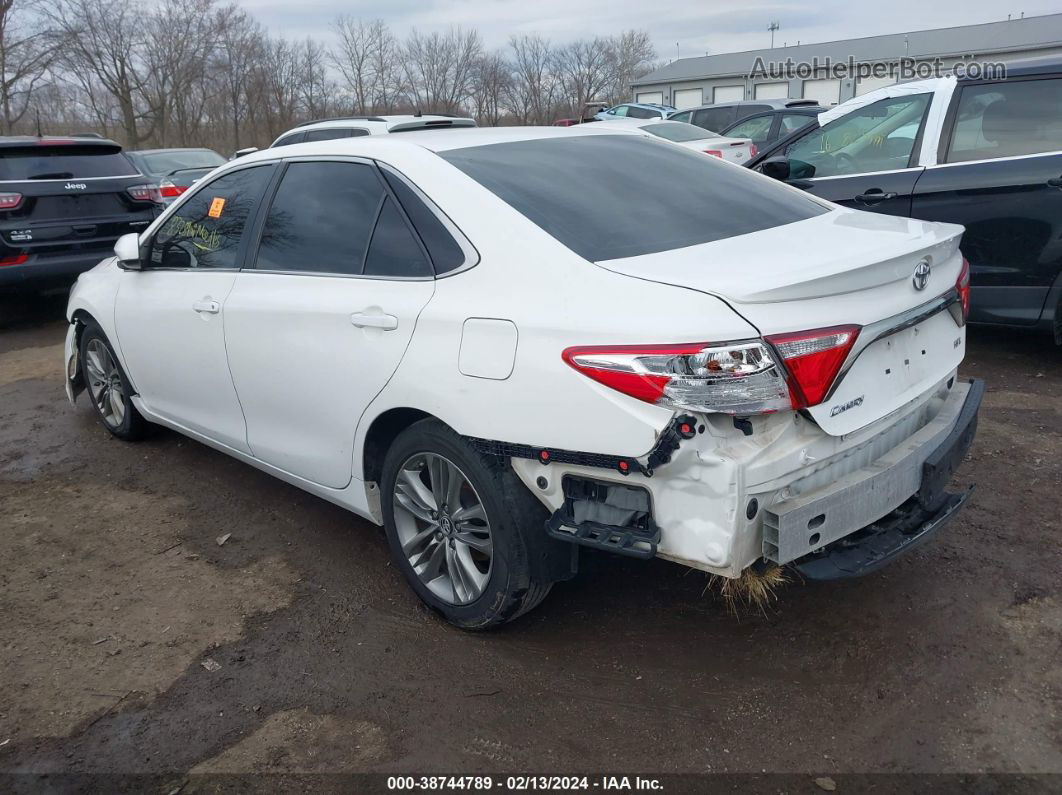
pixel 696 25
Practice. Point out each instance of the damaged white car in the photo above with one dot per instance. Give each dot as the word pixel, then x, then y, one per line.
pixel 507 344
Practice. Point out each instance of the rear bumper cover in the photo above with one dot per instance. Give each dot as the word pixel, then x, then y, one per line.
pixel 52 268
pixel 915 520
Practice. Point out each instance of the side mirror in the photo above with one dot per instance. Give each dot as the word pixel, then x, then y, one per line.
pixel 242 152
pixel 776 168
pixel 127 250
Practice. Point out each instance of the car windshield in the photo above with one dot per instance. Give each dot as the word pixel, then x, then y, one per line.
pixel 168 162
pixel 63 162
pixel 612 196
pixel 678 131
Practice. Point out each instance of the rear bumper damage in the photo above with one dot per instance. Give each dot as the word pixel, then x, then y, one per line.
pixel 777 489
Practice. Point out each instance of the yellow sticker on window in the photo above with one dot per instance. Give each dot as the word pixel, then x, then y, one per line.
pixel 216 206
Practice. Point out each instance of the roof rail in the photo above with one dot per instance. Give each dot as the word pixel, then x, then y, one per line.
pixel 340 118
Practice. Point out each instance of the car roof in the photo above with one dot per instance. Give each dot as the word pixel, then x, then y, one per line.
pixel 431 140
pixel 170 151
pixel 773 104
pixel 651 105
pixel 1028 67
pixel 56 140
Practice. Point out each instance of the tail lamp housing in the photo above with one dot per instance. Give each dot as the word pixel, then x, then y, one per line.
pixel 744 377
pixel 169 190
pixel 145 193
pixel 9 201
pixel 713 152
pixel 962 284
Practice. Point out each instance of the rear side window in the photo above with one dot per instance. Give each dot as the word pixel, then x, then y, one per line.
pixel 294 138
pixel 393 250
pixel 446 255
pixel 321 218
pixel 791 122
pixel 758 128
pixel 684 116
pixel 206 230
pixel 635 112
pixel 589 192
pixel 713 119
pixel 1023 117
pixel 327 134
pixel 63 162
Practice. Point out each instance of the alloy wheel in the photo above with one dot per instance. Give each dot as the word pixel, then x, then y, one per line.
pixel 105 383
pixel 443 528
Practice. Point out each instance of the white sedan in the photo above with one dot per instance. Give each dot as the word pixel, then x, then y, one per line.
pixel 732 150
pixel 503 348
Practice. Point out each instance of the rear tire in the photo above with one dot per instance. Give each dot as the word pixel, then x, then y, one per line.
pixel 456 522
pixel 108 388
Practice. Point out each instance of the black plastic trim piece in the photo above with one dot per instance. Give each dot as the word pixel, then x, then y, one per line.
pixel 681 427
pixel 639 541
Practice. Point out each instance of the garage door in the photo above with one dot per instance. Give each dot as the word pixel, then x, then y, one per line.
pixel 687 98
pixel 651 98
pixel 772 90
pixel 825 92
pixel 868 84
pixel 728 93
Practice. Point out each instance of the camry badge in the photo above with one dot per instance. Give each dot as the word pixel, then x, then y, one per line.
pixel 842 407
pixel 921 275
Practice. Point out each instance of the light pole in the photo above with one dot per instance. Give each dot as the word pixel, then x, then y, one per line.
pixel 772 28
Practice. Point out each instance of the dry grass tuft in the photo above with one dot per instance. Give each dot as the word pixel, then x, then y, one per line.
pixel 753 590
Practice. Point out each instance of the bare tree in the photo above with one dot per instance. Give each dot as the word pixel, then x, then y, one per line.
pixel 26 50
pixel 584 68
pixel 492 83
pixel 440 68
pixel 241 45
pixel 631 55
pixel 102 45
pixel 532 91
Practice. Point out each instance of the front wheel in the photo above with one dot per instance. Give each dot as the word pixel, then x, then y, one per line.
pixel 455 521
pixel 108 387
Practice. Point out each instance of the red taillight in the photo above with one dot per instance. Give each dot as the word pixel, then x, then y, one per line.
pixel 713 152
pixel 739 377
pixel 145 193
pixel 171 191
pixel 753 151
pixel 9 201
pixel 813 359
pixel 18 259
pixel 962 284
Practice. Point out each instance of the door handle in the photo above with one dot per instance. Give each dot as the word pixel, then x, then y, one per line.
pixel 207 305
pixel 374 320
pixel 1055 182
pixel 873 196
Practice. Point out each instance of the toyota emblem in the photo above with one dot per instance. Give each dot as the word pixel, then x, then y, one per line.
pixel 921 275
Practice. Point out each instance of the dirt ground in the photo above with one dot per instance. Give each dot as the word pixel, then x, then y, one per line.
pixel 131 641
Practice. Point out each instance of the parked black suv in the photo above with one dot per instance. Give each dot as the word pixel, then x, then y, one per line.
pixel 63 203
pixel 986 154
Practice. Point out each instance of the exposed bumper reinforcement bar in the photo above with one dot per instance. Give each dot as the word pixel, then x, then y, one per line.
pixel 914 521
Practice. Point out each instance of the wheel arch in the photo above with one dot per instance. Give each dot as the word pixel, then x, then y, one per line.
pixel 381 434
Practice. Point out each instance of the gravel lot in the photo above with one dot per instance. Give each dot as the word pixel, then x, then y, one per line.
pixel 131 641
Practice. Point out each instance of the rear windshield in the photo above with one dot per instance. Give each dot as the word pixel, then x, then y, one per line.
pixel 677 131
pixel 63 162
pixel 168 162
pixel 612 196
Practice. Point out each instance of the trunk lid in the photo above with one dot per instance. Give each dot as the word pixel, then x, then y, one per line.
pixel 732 150
pixel 839 268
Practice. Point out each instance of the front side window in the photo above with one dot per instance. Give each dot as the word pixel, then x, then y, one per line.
pixel 758 128
pixel 205 231
pixel 1007 119
pixel 878 137
pixel 573 190
pixel 684 116
pixel 619 110
pixel 791 122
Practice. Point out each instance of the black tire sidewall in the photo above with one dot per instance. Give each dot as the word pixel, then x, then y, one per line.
pixel 509 577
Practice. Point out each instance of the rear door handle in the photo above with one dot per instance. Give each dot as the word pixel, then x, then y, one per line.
pixel 207 305
pixel 873 196
pixel 374 320
pixel 1055 182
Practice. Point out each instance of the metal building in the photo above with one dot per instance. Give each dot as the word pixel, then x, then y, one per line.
pixel 688 82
